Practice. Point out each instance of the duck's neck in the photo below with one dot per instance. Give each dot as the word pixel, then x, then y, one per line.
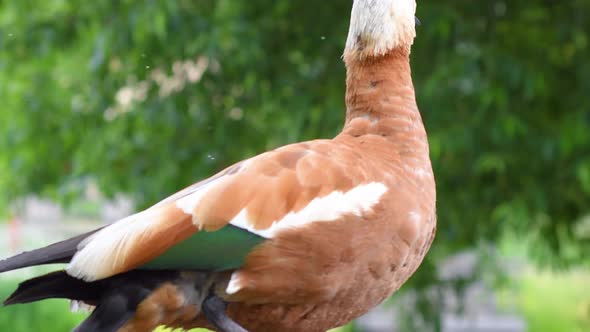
pixel 380 95
pixel 380 87
pixel 381 106
pixel 379 92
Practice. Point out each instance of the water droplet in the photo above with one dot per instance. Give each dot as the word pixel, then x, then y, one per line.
pixel 147 67
pixel 323 37
pixel 10 35
pixel 210 157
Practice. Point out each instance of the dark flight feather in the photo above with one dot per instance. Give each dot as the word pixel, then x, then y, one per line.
pixel 116 298
pixel 60 252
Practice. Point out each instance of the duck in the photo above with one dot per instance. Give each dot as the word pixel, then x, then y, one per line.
pixel 305 237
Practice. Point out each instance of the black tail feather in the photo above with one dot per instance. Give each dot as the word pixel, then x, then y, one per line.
pixel 54 285
pixel 60 252
pixel 113 311
pixel 116 298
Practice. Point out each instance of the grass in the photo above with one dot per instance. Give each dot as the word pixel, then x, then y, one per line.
pixel 556 302
pixel 550 301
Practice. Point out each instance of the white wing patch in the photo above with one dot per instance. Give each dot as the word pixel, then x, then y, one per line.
pixel 234 284
pixel 357 201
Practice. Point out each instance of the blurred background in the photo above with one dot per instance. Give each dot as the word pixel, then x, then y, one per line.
pixel 108 106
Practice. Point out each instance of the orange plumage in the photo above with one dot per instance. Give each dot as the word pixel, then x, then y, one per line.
pixel 341 223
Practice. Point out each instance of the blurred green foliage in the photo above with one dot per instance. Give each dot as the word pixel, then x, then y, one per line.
pixel 145 97
pixel 569 308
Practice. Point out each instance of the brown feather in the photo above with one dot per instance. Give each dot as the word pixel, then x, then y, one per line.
pixel 132 242
pixel 325 274
pixel 173 227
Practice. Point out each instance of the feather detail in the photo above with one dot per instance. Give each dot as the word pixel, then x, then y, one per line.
pixel 201 185
pixel 357 201
pixel 81 306
pixel 59 252
pixel 287 187
pixel 233 286
pixel 189 202
pixel 130 242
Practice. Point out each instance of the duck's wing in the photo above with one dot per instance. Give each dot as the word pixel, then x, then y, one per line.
pixel 213 224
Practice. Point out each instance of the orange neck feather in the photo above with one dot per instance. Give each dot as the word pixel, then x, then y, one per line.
pixel 380 88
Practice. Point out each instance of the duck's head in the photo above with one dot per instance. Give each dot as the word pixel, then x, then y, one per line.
pixel 378 26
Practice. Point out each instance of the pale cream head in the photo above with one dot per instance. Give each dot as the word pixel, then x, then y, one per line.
pixel 378 26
